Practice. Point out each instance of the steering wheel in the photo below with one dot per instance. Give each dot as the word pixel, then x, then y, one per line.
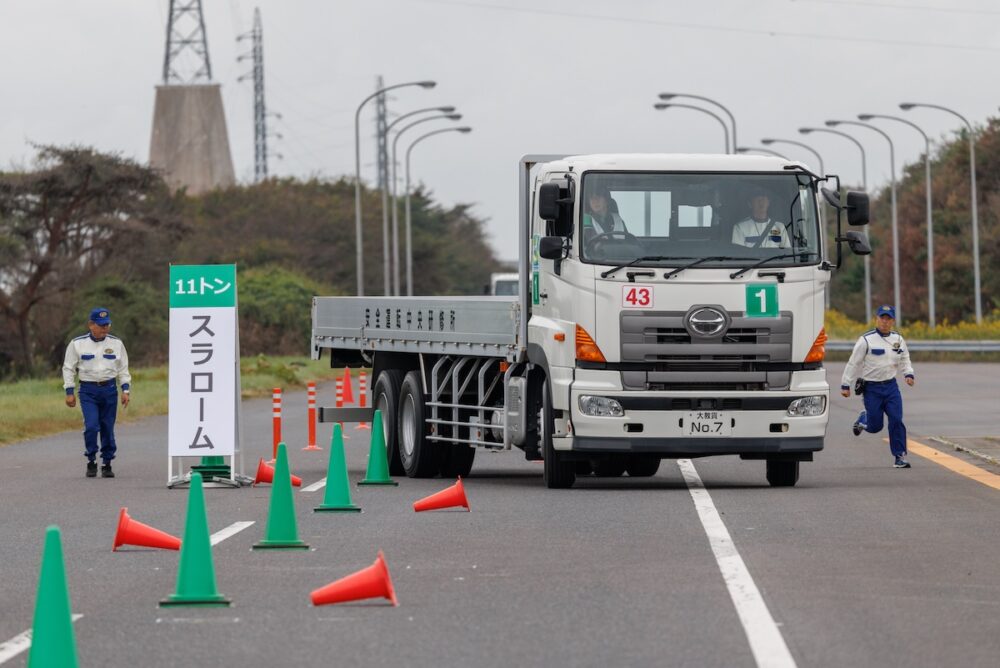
pixel 595 241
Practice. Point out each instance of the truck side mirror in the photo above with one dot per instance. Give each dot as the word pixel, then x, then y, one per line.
pixel 551 248
pixel 548 201
pixel 832 197
pixel 857 242
pixel 857 209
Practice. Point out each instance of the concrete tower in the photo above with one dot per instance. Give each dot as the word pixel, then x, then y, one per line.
pixel 190 143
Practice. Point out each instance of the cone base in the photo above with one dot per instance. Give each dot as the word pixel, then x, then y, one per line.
pixel 336 509
pixel 217 601
pixel 311 447
pixel 387 483
pixel 280 545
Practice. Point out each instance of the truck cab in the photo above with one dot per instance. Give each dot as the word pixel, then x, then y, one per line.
pixel 676 309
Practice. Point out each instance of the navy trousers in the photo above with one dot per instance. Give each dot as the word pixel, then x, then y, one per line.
pixel 100 408
pixel 885 399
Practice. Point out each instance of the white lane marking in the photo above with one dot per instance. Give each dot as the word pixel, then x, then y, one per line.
pixel 766 643
pixel 318 485
pixel 19 643
pixel 230 530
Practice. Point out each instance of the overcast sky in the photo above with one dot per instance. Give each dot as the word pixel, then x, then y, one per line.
pixel 530 76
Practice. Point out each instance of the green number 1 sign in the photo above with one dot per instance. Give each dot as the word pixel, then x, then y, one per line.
pixel 762 300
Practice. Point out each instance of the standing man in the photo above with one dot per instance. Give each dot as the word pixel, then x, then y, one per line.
pixel 101 360
pixel 878 356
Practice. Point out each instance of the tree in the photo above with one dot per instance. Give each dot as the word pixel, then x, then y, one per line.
pixel 59 224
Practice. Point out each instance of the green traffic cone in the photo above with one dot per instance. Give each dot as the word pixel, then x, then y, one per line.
pixel 52 641
pixel 338 488
pixel 378 459
pixel 196 574
pixel 282 531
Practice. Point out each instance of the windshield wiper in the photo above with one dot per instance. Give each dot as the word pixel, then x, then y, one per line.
pixel 645 258
pixel 712 258
pixel 783 256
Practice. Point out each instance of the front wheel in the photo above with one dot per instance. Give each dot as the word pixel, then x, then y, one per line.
pixel 782 473
pixel 558 473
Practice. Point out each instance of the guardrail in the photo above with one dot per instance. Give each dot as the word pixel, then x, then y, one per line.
pixel 932 346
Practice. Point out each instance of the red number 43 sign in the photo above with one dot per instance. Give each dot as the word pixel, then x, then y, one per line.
pixel 637 296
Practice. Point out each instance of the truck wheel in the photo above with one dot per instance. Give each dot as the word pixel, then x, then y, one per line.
pixel 782 473
pixel 611 466
pixel 558 474
pixel 417 454
pixel 386 399
pixel 642 466
pixel 456 460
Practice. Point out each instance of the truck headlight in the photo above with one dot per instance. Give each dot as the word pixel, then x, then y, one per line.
pixel 600 406
pixel 807 406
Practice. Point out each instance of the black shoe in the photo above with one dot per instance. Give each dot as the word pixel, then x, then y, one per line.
pixel 91 469
pixel 106 471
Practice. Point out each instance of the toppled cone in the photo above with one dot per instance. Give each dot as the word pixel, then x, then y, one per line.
pixel 133 532
pixel 452 497
pixel 265 473
pixel 371 582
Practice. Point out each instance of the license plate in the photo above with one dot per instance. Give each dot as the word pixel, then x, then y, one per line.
pixel 708 423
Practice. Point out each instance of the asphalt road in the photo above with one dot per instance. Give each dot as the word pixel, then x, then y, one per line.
pixel 859 565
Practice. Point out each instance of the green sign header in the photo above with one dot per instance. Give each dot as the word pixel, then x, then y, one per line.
pixel 202 285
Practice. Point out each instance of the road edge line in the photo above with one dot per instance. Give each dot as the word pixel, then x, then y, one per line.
pixel 954 464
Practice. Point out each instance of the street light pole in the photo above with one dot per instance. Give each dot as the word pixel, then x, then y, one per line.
pixel 409 237
pixel 895 226
pixel 758 149
pixel 725 128
pixel 395 216
pixel 864 186
pixel 732 119
pixel 931 312
pixel 386 265
pixel 906 106
pixel 359 254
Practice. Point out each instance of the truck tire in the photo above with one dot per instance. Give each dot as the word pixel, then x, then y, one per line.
pixel 611 466
pixel 385 398
pixel 558 474
pixel 456 460
pixel 417 454
pixel 782 473
pixel 642 466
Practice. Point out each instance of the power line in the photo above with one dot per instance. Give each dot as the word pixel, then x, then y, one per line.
pixel 907 7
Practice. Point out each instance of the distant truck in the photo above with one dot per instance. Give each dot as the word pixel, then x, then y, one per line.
pixel 692 327
pixel 504 284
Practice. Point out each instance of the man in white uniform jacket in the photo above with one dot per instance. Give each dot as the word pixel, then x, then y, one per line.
pixel 759 231
pixel 101 360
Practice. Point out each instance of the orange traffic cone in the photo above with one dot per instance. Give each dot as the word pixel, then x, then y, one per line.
pixel 452 497
pixel 265 473
pixel 132 532
pixel 371 582
pixel 348 387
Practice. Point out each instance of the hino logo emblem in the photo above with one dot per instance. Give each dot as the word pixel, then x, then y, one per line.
pixel 706 321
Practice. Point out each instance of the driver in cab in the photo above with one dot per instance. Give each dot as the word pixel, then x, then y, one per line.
pixel 759 230
pixel 598 218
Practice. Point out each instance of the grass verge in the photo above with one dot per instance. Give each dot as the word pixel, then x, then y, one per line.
pixel 33 408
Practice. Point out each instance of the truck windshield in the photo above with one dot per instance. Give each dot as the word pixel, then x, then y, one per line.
pixel 728 219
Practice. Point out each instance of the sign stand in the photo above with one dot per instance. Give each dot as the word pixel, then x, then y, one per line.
pixel 204 370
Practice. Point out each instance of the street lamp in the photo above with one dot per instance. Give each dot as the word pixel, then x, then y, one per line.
pixel 758 149
pixel 931 313
pixel 395 216
pixel 385 205
pixel 670 96
pixel 409 236
pixel 864 186
pixel 357 175
pixel 895 227
pixel 725 128
pixel 906 106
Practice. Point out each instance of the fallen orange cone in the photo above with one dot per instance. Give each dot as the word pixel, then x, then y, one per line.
pixel 132 532
pixel 371 582
pixel 452 497
pixel 265 473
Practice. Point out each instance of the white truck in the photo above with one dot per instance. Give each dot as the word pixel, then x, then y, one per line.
pixel 504 284
pixel 683 318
